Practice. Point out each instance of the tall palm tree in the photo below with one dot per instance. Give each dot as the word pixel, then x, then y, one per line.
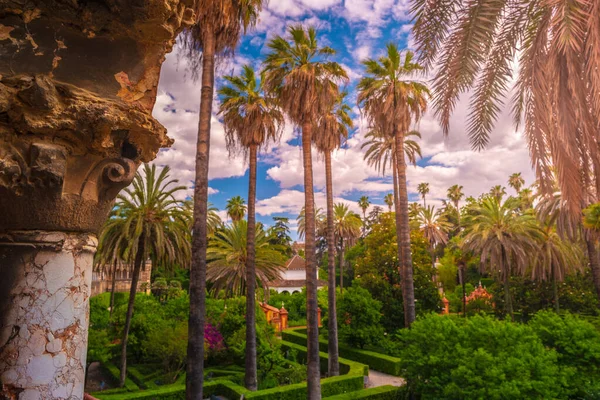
pixel 498 192
pixel 252 119
pixel 393 102
pixel 320 222
pixel 364 204
pixel 526 196
pixel 471 46
pixel 516 181
pixel 213 220
pixel 556 257
pixel 236 208
pixel 389 200
pixel 347 229
pixel 434 228
pixel 219 25
pixel 455 194
pixel 423 189
pixel 227 257
pixel 504 238
pixel 298 71
pixel 147 222
pixel 332 130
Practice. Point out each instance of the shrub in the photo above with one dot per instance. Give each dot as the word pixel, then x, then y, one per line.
pixel 358 317
pixel 578 345
pixel 377 393
pixel 447 357
pixel 169 345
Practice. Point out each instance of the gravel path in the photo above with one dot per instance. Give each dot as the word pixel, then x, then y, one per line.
pixel 381 379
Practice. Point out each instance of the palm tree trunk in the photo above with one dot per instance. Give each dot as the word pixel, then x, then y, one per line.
pixel 195 353
pixel 592 251
pixel 341 265
pixel 397 210
pixel 403 231
pixel 112 291
pixel 313 375
pixel 334 365
pixel 507 297
pixel 554 288
pixel 250 377
pixel 137 266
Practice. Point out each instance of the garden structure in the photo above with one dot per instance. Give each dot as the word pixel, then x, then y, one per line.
pixel 76 97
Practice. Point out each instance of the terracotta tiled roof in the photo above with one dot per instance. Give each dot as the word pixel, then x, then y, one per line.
pixel 279 283
pixel 295 263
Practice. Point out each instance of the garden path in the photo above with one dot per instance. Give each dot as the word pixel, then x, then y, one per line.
pixel 380 379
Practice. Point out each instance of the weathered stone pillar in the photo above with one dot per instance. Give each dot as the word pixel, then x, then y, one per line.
pixel 78 82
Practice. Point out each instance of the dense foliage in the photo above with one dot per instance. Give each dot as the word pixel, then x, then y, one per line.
pixel 359 318
pixel 481 357
pixel 377 271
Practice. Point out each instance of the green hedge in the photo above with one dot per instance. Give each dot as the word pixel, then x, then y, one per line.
pixel 378 393
pixel 116 375
pixel 351 381
pixel 377 361
pixel 140 379
pixel 177 392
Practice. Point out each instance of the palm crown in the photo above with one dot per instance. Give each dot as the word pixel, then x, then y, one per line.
pixel 251 117
pixel 298 72
pixel 236 208
pixel 381 149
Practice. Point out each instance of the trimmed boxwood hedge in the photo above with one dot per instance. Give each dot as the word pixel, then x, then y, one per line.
pixel 177 392
pixel 352 380
pixel 377 361
pixel 115 373
pixel 387 392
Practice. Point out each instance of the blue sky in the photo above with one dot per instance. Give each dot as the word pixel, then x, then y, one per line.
pixel 356 29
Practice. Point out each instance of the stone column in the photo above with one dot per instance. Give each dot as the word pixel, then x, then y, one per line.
pixel 78 82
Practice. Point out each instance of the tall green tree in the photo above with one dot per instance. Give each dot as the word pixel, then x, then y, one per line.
pixel 455 194
pixel 423 189
pixel 434 228
pixel 504 239
pixel 218 28
pixel 364 204
pixel 279 234
pixel 236 208
pixel 332 129
pixel 555 259
pixel 147 222
pixel 392 101
pixel 298 71
pixel 252 119
pixel 471 47
pixel 227 257
pixel 498 192
pixel 516 181
pixel 347 226
pixel 389 201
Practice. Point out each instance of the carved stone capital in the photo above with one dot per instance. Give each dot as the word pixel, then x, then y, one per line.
pixel 78 82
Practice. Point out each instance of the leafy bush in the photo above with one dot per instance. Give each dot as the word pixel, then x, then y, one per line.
pixel 169 345
pixel 448 357
pixel 358 317
pixel 386 392
pixel 578 345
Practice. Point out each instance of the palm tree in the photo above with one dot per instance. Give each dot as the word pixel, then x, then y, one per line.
pixel 219 25
pixel 434 227
pixel 147 221
pixel 455 194
pixel 526 196
pixel 252 120
pixel 471 47
pixel 227 257
pixel 556 257
pixel 516 181
pixel 423 189
pixel 364 204
pixel 393 102
pixel 389 200
pixel 297 70
pixel 320 222
pixel 504 238
pixel 332 129
pixel 213 220
pixel 347 230
pixel 498 192
pixel 236 208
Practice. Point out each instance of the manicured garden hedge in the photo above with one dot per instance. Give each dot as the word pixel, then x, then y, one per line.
pixel 351 381
pixel 115 373
pixel 377 361
pixel 378 393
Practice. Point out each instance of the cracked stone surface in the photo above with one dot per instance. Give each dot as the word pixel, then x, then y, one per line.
pixel 43 331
